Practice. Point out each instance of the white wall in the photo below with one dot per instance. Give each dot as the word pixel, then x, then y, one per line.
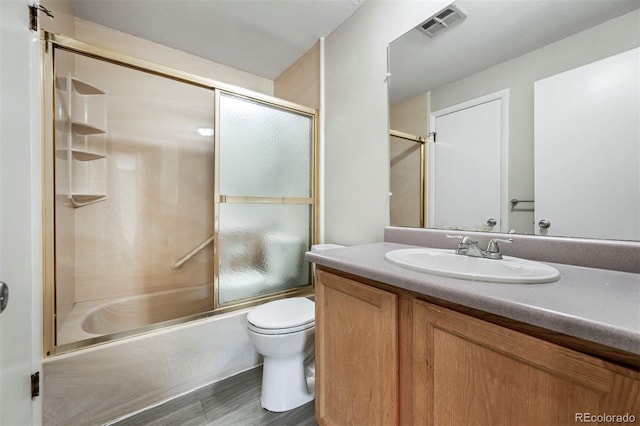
pixel 356 186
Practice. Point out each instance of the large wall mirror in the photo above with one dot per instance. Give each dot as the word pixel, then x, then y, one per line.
pixel 519 117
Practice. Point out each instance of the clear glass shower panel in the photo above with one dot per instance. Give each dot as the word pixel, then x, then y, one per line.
pixel 133 198
pixel 265 151
pixel 262 248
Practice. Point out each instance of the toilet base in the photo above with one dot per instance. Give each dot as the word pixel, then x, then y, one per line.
pixel 284 386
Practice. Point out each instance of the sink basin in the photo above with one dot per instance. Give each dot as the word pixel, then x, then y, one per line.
pixel 446 263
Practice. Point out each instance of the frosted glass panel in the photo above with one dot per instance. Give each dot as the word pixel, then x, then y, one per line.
pixel 265 151
pixel 262 248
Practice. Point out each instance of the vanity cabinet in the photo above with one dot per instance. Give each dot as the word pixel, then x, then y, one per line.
pixel 356 353
pixel 469 371
pixel 450 367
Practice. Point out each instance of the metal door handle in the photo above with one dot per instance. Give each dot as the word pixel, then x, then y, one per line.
pixel 4 296
pixel 544 223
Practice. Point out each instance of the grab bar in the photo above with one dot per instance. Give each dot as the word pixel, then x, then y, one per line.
pixel 184 259
pixel 515 201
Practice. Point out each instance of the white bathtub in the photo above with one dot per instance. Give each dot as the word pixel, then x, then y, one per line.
pixel 105 382
pixel 109 316
pixel 146 309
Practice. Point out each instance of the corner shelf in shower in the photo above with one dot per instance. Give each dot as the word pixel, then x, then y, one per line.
pixel 83 114
pixel 84 155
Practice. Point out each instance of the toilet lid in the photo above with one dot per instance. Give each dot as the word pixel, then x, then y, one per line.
pixel 284 313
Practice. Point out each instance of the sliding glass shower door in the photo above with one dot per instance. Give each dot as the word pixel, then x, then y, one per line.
pixel 169 198
pixel 265 198
pixel 134 182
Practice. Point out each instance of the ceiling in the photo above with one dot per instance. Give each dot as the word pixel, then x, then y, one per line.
pixel 263 37
pixel 493 32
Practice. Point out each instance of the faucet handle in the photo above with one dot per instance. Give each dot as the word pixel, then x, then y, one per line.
pixel 468 240
pixel 460 249
pixel 464 242
pixel 463 239
pixel 493 251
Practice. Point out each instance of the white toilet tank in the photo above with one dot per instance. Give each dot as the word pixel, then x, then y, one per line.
pixel 320 247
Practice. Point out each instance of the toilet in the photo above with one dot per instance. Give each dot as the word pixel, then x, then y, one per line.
pixel 283 332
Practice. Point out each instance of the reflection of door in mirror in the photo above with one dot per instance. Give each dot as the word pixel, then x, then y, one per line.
pixel 467 178
pixel 587 149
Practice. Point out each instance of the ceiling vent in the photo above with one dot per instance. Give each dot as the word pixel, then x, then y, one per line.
pixel 442 20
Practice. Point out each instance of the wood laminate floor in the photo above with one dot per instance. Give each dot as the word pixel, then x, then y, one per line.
pixel 234 401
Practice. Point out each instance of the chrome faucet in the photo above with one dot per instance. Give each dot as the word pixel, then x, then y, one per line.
pixel 469 247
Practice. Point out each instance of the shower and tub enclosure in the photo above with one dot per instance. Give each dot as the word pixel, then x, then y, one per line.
pixel 171 197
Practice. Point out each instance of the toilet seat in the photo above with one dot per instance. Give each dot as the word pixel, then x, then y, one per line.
pixel 282 316
pixel 278 331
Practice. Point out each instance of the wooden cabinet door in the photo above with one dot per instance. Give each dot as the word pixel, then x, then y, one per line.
pixel 356 353
pixel 468 371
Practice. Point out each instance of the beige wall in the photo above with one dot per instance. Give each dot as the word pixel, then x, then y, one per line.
pixel 411 116
pixel 63 21
pixel 405 182
pixel 300 83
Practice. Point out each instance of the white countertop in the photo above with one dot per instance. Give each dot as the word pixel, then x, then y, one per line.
pixel 596 305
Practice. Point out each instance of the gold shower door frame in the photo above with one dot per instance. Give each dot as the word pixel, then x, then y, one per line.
pixel 49 41
pixel 423 161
